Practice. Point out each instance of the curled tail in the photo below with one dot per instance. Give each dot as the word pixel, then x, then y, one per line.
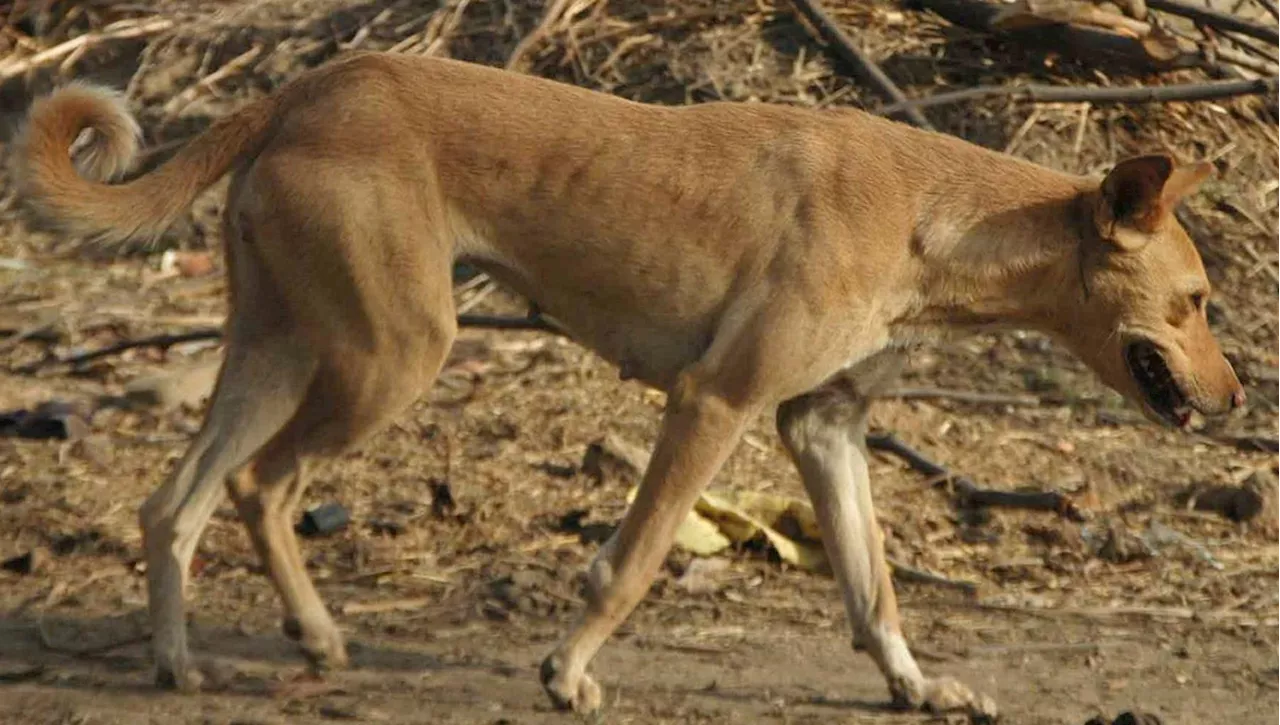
pixel 76 195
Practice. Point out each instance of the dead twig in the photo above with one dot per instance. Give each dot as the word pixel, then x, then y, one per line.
pixel 493 322
pixel 1064 94
pixel 21 674
pixel 556 17
pixel 163 342
pixel 388 605
pixel 832 35
pixel 969 493
pixel 909 574
pixel 1216 20
pixel 192 92
pixel 122 30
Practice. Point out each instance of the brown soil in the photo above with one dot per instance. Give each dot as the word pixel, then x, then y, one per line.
pixel 451 600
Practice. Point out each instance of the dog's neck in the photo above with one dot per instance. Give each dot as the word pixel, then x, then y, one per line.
pixel 1000 252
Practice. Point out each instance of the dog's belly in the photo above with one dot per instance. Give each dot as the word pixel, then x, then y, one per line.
pixel 648 343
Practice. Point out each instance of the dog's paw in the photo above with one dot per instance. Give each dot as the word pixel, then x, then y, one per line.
pixel 181 677
pixel 326 655
pixel 581 696
pixel 947 695
pixel 324 647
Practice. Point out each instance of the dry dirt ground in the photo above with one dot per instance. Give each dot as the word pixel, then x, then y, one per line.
pixel 472 516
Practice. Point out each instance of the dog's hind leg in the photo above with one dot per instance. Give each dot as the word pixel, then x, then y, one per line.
pixel 266 493
pixel 264 376
pixel 379 332
pixel 340 410
pixel 824 432
pixel 259 386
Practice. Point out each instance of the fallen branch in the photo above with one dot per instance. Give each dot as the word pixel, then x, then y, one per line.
pixel 1089 44
pixel 1240 58
pixel 163 342
pixel 1216 20
pixel 493 322
pixel 904 573
pixel 969 493
pixel 1064 94
pixel 871 73
pixel 166 341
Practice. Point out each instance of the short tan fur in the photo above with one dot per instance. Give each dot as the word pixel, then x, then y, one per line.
pixel 744 258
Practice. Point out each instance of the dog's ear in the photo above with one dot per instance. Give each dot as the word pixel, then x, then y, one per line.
pixel 1132 200
pixel 1184 181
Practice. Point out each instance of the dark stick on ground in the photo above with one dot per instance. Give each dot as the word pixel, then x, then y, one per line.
pixel 492 322
pixel 164 342
pixel 871 73
pixel 161 341
pixel 1067 94
pixel 969 493
pixel 1217 20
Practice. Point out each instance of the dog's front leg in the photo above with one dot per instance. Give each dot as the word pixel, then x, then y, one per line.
pixel 699 430
pixel 824 433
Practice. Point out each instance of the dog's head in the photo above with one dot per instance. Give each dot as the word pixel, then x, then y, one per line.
pixel 1142 325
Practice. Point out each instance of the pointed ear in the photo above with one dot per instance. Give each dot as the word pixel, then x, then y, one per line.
pixel 1184 181
pixel 1131 200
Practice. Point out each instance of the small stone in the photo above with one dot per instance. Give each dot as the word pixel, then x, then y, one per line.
pixel 701 576
pixel 95 449
pixel 335 711
pixel 324 519
pixel 54 419
pixel 1237 503
pixel 194 264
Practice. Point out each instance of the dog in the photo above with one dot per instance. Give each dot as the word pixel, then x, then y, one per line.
pixel 743 258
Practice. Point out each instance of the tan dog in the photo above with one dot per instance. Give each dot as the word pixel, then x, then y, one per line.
pixel 743 258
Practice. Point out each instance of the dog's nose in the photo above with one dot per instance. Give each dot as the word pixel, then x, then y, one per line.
pixel 1238 399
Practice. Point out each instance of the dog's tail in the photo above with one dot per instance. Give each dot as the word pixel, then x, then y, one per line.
pixel 76 196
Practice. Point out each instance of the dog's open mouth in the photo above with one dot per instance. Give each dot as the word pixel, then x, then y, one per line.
pixel 1149 369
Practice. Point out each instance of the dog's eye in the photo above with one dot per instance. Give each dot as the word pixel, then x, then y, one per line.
pixel 1197 300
